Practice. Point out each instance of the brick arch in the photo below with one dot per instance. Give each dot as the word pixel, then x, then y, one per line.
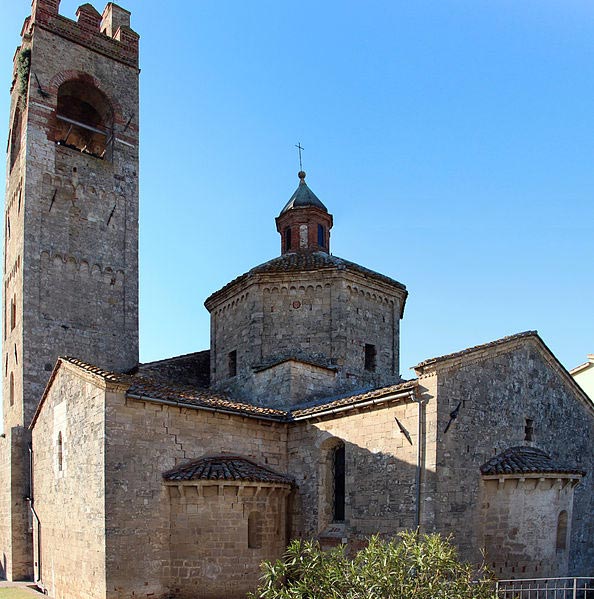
pixel 72 74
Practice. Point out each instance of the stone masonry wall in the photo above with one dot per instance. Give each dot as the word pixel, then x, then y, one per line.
pixel 380 468
pixel 220 533
pixel 519 525
pixel 15 524
pixel 5 503
pixel 145 439
pixel 71 233
pixel 292 382
pixel 498 391
pixel 80 222
pixel 68 492
pixel 329 315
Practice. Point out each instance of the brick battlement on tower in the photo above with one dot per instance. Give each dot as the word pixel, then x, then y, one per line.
pixel 108 33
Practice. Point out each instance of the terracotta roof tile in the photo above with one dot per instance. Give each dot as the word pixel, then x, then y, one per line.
pixel 353 400
pixel 227 468
pixel 189 369
pixel 303 262
pixel 313 360
pixel 525 460
pixel 108 375
pixel 196 397
pixel 140 387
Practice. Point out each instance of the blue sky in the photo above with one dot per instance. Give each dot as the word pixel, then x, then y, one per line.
pixel 453 141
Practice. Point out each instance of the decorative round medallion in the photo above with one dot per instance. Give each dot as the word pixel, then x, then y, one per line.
pixel 296 304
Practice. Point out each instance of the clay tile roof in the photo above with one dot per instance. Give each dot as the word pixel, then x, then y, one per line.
pixel 108 375
pixel 196 397
pixel 313 360
pixel 227 468
pixel 189 369
pixel 353 400
pixel 150 389
pixel 525 460
pixel 470 350
pixel 307 261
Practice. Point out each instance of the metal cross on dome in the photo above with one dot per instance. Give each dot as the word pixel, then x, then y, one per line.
pixel 300 148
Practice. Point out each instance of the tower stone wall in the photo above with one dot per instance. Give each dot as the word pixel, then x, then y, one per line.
pixel 330 316
pixel 71 224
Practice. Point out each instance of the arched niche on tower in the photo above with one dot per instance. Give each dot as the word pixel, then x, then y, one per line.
pixel 84 118
pixel 15 136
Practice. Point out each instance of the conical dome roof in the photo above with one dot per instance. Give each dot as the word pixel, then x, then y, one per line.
pixel 303 196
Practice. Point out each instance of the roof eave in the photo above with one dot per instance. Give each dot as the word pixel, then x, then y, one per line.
pixel 181 404
pixel 207 482
pixel 98 380
pixel 339 410
pixel 576 475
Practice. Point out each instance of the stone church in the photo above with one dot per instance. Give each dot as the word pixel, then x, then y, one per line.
pixel 177 478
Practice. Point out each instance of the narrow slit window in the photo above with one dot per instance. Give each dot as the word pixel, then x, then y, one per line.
pixel 13 309
pixel 561 544
pixel 287 239
pixel 254 530
pixel 338 468
pixel 529 430
pixel 11 389
pixel 15 136
pixel 232 359
pixel 370 357
pixel 321 236
pixel 60 452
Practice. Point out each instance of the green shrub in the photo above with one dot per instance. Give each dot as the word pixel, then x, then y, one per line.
pixel 411 567
pixel 23 69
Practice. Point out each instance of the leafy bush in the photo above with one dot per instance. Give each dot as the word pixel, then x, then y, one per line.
pixel 411 567
pixel 23 69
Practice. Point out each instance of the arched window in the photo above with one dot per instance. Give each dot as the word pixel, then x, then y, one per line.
pixel 255 530
pixel 11 388
pixel 84 118
pixel 370 357
pixel 321 236
pixel 331 483
pixel 15 136
pixel 561 544
pixel 60 452
pixel 13 309
pixel 338 479
pixel 232 363
pixel 287 239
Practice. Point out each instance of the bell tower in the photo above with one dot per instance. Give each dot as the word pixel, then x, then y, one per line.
pixel 304 223
pixel 71 227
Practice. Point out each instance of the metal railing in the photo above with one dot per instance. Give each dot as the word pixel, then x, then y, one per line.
pixel 546 588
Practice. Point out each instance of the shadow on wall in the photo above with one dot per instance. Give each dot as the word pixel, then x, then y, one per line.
pixel 346 493
pixel 375 493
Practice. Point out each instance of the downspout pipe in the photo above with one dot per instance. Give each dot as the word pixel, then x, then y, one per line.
pixel 35 517
pixel 420 443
